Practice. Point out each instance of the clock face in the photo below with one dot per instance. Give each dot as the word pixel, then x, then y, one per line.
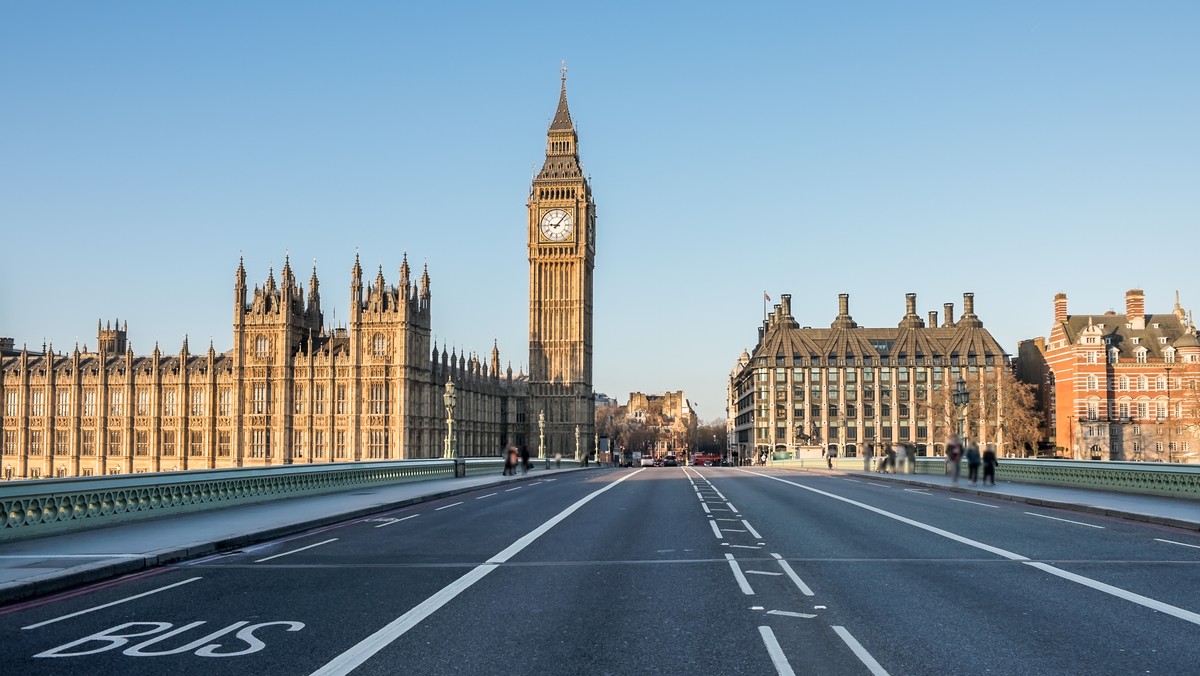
pixel 557 225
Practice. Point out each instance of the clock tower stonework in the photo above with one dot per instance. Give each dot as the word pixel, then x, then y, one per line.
pixel 562 254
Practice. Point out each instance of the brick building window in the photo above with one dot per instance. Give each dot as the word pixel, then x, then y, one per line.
pixel 169 403
pixel 341 399
pixel 114 442
pixel 378 401
pixel 35 442
pixel 197 402
pixel 319 444
pixel 89 402
pixel 63 404
pixel 11 403
pixel 1140 355
pixel 319 399
pixel 143 402
pixel 224 402
pixel 299 401
pixel 168 443
pixel 35 403
pixel 223 444
pixel 10 442
pixel 258 444
pixel 196 448
pixel 262 347
pixel 339 450
pixel 297 444
pixel 87 443
pixel 141 443
pixel 377 444
pixel 260 399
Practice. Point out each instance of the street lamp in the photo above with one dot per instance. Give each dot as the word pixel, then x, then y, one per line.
pixel 541 434
pixel 962 398
pixel 450 399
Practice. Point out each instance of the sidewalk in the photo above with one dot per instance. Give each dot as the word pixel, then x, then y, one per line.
pixel 1165 511
pixel 41 565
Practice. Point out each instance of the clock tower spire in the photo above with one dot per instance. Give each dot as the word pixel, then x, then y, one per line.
pixel 562 250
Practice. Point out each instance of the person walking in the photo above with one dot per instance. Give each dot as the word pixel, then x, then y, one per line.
pixel 989 464
pixel 973 462
pixel 901 459
pixel 510 461
pixel 525 464
pixel 954 453
pixel 831 456
pixel 868 454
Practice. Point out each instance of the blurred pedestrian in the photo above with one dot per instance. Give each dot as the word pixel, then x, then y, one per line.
pixel 868 455
pixel 954 453
pixel 989 464
pixel 525 464
pixel 889 460
pixel 973 462
pixel 902 458
pixel 558 461
pixel 831 456
pixel 510 461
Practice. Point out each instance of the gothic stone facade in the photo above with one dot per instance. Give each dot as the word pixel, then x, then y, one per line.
pixel 289 391
pixel 805 390
pixel 1124 386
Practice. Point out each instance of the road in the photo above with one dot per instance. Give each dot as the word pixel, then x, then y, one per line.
pixel 658 570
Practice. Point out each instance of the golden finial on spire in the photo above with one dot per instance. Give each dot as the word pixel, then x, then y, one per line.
pixel 564 72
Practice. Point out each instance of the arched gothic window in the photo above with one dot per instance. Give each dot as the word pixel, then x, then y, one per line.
pixel 261 347
pixel 379 345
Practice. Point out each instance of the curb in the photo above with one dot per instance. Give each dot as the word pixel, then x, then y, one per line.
pixel 1039 502
pixel 102 570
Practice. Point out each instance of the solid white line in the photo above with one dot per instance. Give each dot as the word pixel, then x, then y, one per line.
pixel 854 480
pixel 716 531
pixel 486 496
pixel 918 491
pixel 878 484
pixel 1077 523
pixel 737 573
pixel 1146 601
pixel 777 657
pixel 972 502
pixel 731 530
pixel 1181 544
pixel 762 572
pixel 113 603
pixel 369 646
pixel 787 568
pixel 410 516
pixel 751 529
pixel 734 520
pixel 875 668
pixel 788 613
pixel 706 509
pixel 447 506
pixel 745 546
pixel 1088 582
pixel 276 556
pixel 510 490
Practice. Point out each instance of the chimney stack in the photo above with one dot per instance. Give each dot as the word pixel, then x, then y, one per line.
pixel 1060 307
pixel 949 314
pixel 968 304
pixel 1135 308
pixel 843 304
pixel 933 319
pixel 786 302
pixel 910 304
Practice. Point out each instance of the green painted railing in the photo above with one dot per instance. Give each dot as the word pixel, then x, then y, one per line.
pixel 46 506
pixel 1146 478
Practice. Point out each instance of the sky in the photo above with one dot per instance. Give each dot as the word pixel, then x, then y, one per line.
pixel 1010 149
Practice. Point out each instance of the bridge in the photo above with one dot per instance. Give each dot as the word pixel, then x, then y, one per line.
pixel 438 567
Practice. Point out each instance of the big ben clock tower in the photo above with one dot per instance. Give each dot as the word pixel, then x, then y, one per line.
pixel 562 254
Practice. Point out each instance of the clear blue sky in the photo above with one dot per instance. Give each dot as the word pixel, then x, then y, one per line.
pixel 1012 149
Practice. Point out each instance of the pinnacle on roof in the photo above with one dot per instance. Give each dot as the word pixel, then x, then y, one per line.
pixel 562 116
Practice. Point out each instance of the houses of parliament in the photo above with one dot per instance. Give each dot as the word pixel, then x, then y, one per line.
pixel 292 390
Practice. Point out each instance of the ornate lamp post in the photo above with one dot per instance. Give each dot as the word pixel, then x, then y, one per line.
pixel 450 399
pixel 578 448
pixel 541 434
pixel 962 399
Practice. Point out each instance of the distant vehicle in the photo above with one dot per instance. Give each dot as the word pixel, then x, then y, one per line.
pixel 707 459
pixel 647 461
pixel 658 462
pixel 670 461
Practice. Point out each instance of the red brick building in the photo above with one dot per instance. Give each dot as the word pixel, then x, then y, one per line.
pixel 1124 386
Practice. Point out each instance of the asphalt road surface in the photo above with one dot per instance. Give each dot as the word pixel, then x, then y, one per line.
pixel 658 570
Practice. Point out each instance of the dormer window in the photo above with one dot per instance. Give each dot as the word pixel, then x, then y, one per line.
pixel 1137 341
pixel 1169 355
pixel 1162 340
pixel 1141 355
pixel 1113 354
